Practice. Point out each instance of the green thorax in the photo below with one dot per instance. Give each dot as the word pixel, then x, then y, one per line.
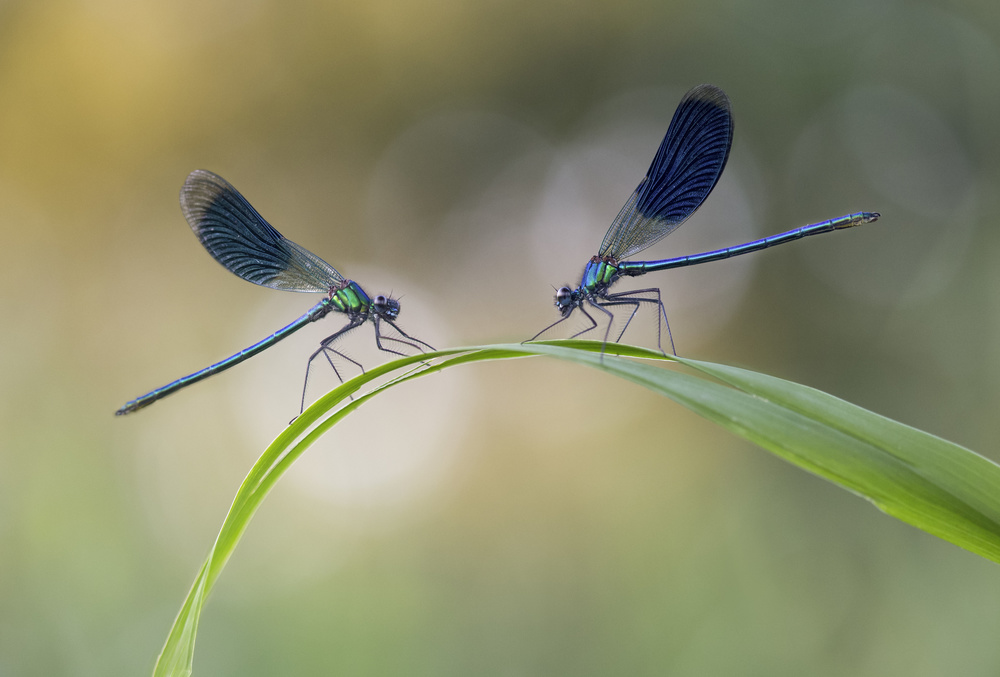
pixel 350 298
pixel 599 274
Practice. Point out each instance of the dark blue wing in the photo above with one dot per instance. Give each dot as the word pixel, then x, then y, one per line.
pixel 686 168
pixel 241 240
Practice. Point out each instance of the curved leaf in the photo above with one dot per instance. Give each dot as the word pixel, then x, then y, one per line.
pixel 935 485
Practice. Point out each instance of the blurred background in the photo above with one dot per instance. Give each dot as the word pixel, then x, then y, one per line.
pixel 518 518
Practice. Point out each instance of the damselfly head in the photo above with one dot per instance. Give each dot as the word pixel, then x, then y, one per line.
pixel 385 307
pixel 564 299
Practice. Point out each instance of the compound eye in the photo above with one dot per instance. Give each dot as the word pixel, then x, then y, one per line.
pixel 381 301
pixel 563 296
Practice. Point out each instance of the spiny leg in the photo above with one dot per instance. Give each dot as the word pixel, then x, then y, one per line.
pixel 593 323
pixel 561 319
pixel 325 349
pixel 635 302
pixel 630 297
pixel 412 342
pixel 611 321
pixel 624 302
pixel 326 354
pixel 400 341
pixel 379 337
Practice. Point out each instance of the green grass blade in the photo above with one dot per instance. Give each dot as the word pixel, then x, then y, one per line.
pixel 933 484
pixel 928 482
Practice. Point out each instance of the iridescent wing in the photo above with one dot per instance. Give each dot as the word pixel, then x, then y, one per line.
pixel 686 168
pixel 241 240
